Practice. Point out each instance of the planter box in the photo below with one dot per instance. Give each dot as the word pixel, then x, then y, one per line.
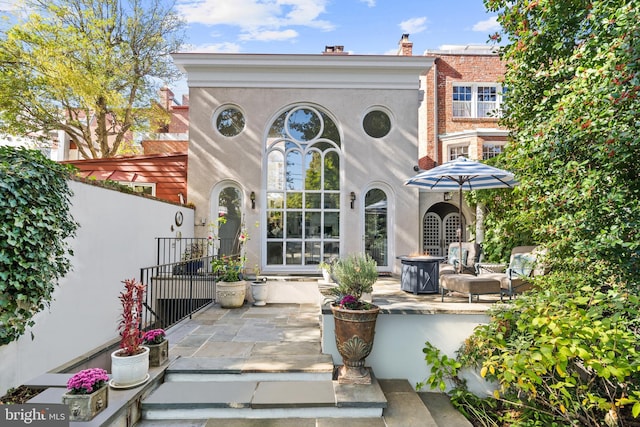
pixel 158 353
pixel 83 407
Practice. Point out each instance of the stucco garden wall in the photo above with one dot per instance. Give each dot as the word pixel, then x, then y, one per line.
pixel 115 239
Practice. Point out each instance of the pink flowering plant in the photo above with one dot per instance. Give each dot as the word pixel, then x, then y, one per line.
pixel 87 381
pixel 154 336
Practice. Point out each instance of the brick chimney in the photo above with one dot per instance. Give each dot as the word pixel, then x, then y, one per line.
pixel 405 47
pixel 334 50
pixel 166 97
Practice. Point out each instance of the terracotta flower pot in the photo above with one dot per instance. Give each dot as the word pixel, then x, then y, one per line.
pixel 354 331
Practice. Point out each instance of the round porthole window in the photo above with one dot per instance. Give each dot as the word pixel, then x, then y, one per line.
pixel 376 123
pixel 230 121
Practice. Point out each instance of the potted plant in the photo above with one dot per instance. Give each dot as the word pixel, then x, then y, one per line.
pixel 130 363
pixel 354 318
pixel 87 394
pixel 191 261
pixel 327 269
pixel 259 289
pixel 231 289
pixel 158 345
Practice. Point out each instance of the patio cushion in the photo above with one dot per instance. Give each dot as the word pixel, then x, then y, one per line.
pixel 453 255
pixel 523 264
pixel 470 256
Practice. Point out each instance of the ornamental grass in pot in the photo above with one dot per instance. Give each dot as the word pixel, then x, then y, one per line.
pixel 354 318
pixel 130 363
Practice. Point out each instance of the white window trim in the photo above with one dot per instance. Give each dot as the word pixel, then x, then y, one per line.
pixel 474 99
pixel 500 143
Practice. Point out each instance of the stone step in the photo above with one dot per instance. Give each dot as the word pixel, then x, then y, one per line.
pixel 318 367
pixel 263 399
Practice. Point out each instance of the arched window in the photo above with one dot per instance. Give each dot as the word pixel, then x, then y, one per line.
pixel 303 188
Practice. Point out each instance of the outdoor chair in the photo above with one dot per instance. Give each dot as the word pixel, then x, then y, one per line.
pixel 470 256
pixel 523 264
pixel 522 267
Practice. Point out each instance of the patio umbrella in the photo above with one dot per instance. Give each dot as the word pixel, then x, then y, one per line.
pixel 462 174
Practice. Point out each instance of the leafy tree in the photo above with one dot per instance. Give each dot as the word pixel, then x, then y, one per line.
pixel 87 67
pixel 566 353
pixel 35 224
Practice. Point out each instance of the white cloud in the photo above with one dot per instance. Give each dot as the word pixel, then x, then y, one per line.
pixel 269 36
pixel 251 15
pixel 225 47
pixel 414 25
pixel 490 24
pixel 370 3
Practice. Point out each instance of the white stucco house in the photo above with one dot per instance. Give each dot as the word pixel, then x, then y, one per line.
pixel 308 152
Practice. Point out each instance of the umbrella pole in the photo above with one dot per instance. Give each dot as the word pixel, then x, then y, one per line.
pixel 460 233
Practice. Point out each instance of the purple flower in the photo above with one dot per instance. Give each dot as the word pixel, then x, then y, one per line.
pixel 154 336
pixel 347 300
pixel 87 381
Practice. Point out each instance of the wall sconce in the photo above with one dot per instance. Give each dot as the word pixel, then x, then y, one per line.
pixel 448 195
pixel 252 196
pixel 353 198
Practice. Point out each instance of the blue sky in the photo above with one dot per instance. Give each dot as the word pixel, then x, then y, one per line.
pixel 307 26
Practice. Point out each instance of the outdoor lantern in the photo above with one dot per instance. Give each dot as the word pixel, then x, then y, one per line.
pixel 353 198
pixel 252 196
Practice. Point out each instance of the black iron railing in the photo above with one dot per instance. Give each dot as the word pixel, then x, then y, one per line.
pixel 174 249
pixel 176 290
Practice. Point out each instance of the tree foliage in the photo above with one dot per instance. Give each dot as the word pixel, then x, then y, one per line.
pixel 35 225
pixel 566 353
pixel 87 67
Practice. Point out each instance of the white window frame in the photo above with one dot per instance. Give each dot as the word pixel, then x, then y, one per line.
pixel 496 143
pixel 469 109
pixel 453 147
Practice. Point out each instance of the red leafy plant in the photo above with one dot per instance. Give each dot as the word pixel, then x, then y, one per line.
pixel 154 336
pixel 87 381
pixel 131 318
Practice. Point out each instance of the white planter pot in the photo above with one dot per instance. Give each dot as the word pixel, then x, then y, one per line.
pixel 231 294
pixel 129 371
pixel 259 291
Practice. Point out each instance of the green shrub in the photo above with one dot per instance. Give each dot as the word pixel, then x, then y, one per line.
pixel 35 225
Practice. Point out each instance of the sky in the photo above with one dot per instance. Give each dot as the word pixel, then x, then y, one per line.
pixel 363 27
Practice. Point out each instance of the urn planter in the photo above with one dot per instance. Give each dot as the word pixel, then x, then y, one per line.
pixel 129 371
pixel 84 407
pixel 354 331
pixel 259 291
pixel 231 294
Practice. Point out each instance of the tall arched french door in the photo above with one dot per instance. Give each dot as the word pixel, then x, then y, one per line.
pixel 226 215
pixel 302 159
pixel 376 226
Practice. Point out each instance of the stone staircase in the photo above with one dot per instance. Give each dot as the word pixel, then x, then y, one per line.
pixel 201 392
pixel 206 388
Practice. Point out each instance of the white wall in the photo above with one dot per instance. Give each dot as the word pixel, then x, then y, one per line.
pixel 400 338
pixel 115 239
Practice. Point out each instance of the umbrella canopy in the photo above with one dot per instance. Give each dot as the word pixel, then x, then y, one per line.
pixel 462 174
